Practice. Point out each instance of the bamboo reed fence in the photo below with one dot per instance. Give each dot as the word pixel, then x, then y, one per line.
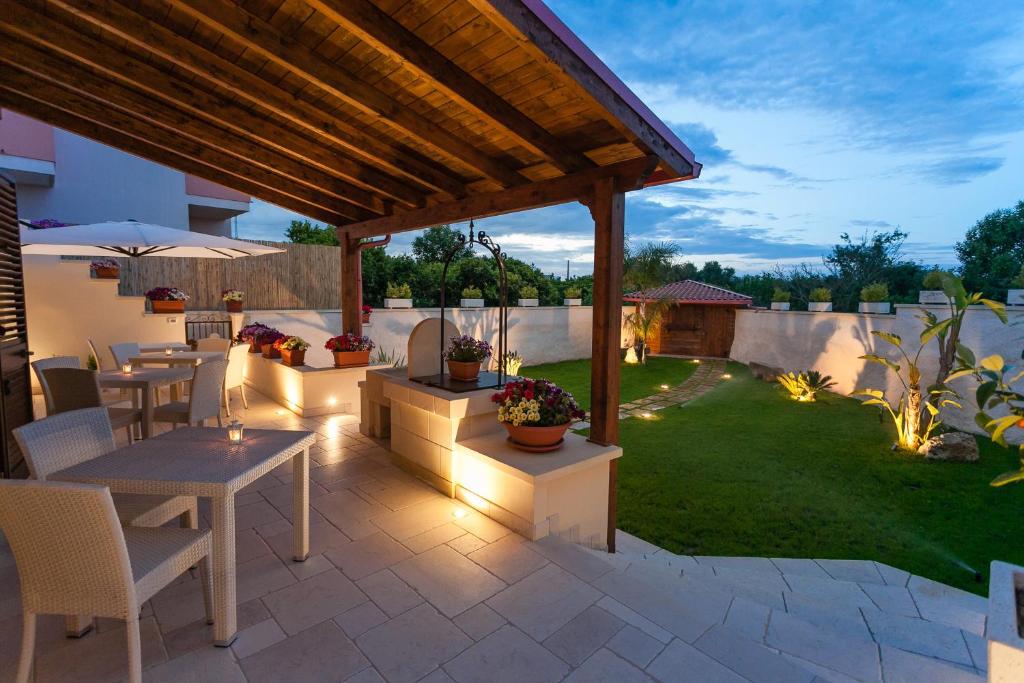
pixel 305 276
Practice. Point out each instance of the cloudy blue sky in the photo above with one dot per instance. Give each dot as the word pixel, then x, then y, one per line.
pixel 811 119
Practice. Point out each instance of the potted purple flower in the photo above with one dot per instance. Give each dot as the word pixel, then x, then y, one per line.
pixel 251 335
pixel 105 269
pixel 268 341
pixel 536 414
pixel 167 299
pixel 464 356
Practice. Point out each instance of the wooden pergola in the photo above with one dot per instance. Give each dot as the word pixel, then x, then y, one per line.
pixel 374 116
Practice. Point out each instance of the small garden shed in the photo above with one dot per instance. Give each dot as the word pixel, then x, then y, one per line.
pixel 700 320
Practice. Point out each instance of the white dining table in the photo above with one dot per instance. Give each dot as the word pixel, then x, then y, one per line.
pixel 143 383
pixel 146 347
pixel 199 461
pixel 176 358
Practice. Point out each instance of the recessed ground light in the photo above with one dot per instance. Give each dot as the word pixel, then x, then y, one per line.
pixel 645 415
pixel 696 360
pixel 727 376
pixel 664 386
pixel 458 513
pixel 279 411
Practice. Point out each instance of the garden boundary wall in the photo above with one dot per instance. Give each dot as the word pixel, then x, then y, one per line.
pixel 832 343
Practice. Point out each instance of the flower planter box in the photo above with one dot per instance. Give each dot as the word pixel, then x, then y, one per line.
pixel 472 303
pixel 1005 644
pixel 270 352
pixel 293 357
pixel 234 306
pixel 529 302
pixel 873 307
pixel 1015 297
pixel 932 296
pixel 168 306
pixel 397 303
pixel 107 273
pixel 350 359
pixel 366 318
pixel 780 305
pixel 254 346
pixel 819 306
pixel 464 371
pixel 572 302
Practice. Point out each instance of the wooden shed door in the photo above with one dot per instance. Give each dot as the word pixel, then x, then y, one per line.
pixel 15 387
pixel 690 330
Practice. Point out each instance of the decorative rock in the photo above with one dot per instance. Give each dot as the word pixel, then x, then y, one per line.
pixel 954 446
pixel 765 372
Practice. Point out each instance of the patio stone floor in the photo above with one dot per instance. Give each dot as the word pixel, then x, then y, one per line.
pixel 404 584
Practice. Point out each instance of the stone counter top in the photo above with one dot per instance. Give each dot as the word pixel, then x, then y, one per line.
pixel 575 454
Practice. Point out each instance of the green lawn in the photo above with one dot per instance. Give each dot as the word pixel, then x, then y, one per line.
pixel 743 470
pixel 637 380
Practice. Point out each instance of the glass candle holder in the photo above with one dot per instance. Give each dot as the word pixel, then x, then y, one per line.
pixel 126 369
pixel 168 351
pixel 235 432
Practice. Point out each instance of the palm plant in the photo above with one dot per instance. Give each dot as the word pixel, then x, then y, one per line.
pixel 645 268
pixel 805 385
pixel 643 321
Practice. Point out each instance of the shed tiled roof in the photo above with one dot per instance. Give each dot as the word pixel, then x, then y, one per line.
pixel 692 292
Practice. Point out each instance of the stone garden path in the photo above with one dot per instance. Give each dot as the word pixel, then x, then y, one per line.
pixel 707 375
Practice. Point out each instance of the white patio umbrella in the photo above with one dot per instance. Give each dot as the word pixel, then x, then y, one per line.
pixel 130 238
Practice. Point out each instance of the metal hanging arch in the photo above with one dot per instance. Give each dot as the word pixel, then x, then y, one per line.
pixel 485 241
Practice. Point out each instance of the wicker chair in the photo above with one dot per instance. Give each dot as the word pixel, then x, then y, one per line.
pixel 235 375
pixel 214 344
pixel 75 388
pixel 95 354
pixel 45 364
pixel 74 558
pixel 203 399
pixel 122 352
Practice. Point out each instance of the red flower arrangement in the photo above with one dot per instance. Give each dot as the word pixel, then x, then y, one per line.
pixel 349 342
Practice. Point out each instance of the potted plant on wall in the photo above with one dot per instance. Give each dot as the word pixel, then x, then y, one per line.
pixel 780 299
pixel 464 356
pixel 573 296
pixel 267 343
pixel 820 300
pixel 528 296
pixel 367 310
pixel 931 289
pixel 472 297
pixel 350 350
pixel 536 414
pixel 873 298
pixel 233 299
pixel 1015 295
pixel 292 350
pixel 398 296
pixel 251 333
pixel 167 299
pixel 105 269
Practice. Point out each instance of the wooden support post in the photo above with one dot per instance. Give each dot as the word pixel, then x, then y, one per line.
pixel 607 206
pixel 351 284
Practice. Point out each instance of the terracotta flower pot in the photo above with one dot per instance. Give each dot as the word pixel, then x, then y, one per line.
pixel 270 352
pixel 533 437
pixel 293 357
pixel 254 346
pixel 465 371
pixel 366 318
pixel 168 306
pixel 351 359
pixel 107 273
pixel 234 306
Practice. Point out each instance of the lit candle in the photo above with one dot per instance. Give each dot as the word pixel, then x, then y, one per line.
pixel 126 368
pixel 235 430
pixel 168 351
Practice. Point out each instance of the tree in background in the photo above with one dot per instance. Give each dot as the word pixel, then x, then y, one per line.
pixel 873 258
pixel 992 252
pixel 434 244
pixel 304 232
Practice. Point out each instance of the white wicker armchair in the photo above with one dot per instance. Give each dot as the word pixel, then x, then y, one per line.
pixel 203 400
pixel 235 375
pixel 74 558
pixel 38 366
pixel 122 352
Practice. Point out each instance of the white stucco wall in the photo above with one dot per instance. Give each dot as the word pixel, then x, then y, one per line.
pixel 65 306
pixel 541 335
pixel 832 342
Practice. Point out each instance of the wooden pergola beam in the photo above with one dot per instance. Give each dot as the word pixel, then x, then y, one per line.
pixel 378 29
pixel 627 175
pixel 223 75
pixel 115 136
pixel 172 130
pixel 520 23
pixel 264 39
pixel 207 116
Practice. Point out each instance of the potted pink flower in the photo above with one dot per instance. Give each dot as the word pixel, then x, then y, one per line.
pixel 350 350
pixel 167 299
pixel 536 414
pixel 367 310
pixel 464 356
pixel 105 269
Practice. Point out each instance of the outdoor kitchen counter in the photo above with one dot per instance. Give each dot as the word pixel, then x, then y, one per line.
pixel 456 444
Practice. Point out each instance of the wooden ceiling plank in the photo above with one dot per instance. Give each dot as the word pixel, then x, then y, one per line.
pixel 388 36
pixel 533 35
pixel 119 139
pixel 628 175
pixel 266 39
pixel 223 74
